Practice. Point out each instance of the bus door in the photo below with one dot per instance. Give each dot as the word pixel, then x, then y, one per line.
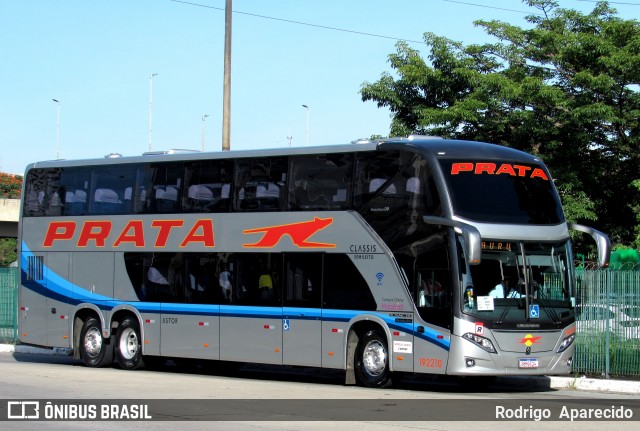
pixel 432 292
pixel 301 314
pixel 251 310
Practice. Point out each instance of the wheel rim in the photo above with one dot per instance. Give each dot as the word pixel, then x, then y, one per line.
pixel 128 343
pixel 93 342
pixel 374 358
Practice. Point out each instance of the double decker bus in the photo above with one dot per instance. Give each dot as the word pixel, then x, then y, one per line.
pixel 372 258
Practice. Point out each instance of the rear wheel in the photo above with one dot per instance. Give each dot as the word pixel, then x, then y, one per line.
pixel 94 351
pixel 372 361
pixel 128 346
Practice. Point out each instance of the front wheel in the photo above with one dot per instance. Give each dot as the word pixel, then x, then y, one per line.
pixel 128 345
pixel 372 361
pixel 94 351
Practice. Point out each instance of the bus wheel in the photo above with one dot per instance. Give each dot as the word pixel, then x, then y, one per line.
pixel 93 350
pixel 128 347
pixel 372 361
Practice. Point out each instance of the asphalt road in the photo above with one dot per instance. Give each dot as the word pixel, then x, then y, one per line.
pixel 255 397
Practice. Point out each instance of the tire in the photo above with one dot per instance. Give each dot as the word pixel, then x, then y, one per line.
pixel 128 347
pixel 372 361
pixel 95 351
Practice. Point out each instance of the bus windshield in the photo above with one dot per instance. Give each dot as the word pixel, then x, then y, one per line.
pixel 509 192
pixel 519 282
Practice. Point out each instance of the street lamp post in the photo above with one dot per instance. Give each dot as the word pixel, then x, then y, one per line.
pixel 204 117
pixel 308 109
pixel 58 130
pixel 151 107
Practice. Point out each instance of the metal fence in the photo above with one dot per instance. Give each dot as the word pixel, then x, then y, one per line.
pixel 8 305
pixel 608 320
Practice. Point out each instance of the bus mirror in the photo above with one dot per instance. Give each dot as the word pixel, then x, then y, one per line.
pixel 473 244
pixel 602 242
pixel 471 235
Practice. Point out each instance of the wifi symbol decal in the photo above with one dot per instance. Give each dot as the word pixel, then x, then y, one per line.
pixel 379 276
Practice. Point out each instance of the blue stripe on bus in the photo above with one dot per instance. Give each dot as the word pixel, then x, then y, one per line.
pixel 62 290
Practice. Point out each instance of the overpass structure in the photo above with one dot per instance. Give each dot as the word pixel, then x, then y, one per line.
pixel 9 213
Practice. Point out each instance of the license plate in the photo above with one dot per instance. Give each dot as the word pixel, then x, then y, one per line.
pixel 528 363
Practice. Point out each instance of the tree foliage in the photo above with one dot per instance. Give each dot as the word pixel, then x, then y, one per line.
pixel 566 88
pixel 8 252
pixel 10 186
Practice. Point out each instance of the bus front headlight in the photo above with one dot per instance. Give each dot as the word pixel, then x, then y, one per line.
pixel 566 343
pixel 483 343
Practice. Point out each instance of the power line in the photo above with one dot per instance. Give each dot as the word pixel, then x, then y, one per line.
pixel 489 7
pixel 326 27
pixel 302 23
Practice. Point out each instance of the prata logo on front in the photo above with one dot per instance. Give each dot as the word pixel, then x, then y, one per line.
pixel 23 410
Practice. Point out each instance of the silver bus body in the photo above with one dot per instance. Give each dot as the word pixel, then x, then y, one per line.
pixel 240 270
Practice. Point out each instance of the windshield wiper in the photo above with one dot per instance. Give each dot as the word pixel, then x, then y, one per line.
pixel 510 303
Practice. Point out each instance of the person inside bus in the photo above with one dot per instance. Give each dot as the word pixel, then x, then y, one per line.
pixel 500 288
pixel 265 286
pixel 225 282
pixel 430 293
pixel 503 289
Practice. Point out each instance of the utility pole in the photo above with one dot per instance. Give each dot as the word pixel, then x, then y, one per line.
pixel 226 102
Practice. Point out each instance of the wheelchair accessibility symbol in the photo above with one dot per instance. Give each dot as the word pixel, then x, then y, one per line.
pixel 534 311
pixel 285 324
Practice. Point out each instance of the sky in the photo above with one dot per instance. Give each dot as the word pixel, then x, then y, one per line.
pixel 96 58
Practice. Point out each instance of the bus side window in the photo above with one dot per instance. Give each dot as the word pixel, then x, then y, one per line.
pixel 252 279
pixel 432 286
pixel 43 192
pixel 75 182
pixel 345 289
pixel 260 183
pixel 321 182
pixel 303 278
pixel 109 188
pixel 207 185
pixel 163 187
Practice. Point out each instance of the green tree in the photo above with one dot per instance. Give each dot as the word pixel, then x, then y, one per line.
pixel 8 253
pixel 10 186
pixel 566 89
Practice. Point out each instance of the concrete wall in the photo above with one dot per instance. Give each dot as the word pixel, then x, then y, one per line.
pixel 9 214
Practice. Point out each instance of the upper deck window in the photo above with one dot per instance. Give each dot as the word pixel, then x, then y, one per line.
pixel 207 186
pixel 321 182
pixel 260 183
pixel 502 192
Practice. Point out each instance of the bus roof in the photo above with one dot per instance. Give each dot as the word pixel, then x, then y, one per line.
pixel 430 146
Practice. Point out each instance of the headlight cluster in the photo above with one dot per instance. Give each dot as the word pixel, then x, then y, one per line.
pixel 566 343
pixel 483 343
